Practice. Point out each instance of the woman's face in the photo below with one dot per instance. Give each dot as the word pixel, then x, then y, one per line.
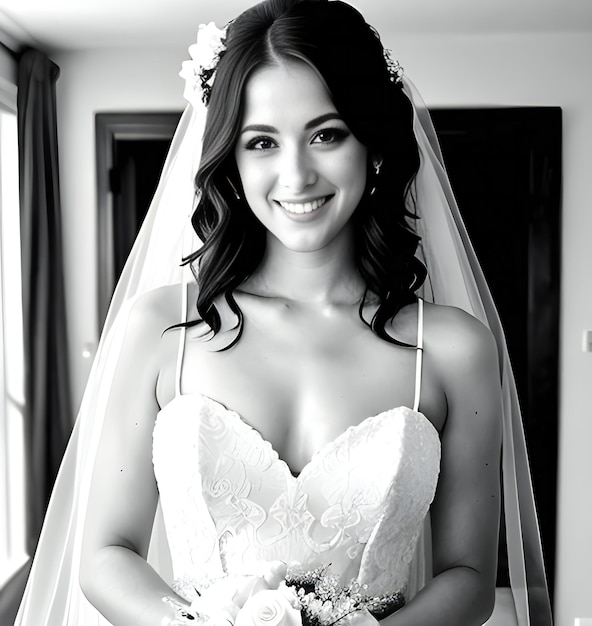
pixel 303 172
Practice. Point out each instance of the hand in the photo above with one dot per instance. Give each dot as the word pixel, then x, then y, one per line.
pixel 221 602
pixel 216 603
pixel 268 575
pixel 363 617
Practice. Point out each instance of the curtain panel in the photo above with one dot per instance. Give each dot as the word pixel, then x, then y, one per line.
pixel 47 388
pixel 48 414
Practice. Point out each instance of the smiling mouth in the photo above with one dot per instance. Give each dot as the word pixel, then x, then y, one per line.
pixel 303 207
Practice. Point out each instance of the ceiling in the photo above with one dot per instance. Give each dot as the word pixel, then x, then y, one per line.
pixel 78 24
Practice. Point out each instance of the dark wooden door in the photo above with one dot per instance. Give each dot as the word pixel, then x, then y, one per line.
pixel 505 169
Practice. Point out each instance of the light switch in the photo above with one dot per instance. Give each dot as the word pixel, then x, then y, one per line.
pixel 583 621
pixel 587 347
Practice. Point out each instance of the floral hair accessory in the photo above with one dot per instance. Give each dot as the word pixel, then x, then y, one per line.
pixel 200 71
pixel 394 67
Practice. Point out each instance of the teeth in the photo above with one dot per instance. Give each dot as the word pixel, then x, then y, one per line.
pixel 303 207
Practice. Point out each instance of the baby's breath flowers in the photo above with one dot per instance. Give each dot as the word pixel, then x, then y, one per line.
pixel 324 600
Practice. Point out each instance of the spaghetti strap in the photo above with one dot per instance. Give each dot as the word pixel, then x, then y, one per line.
pixel 187 241
pixel 182 337
pixel 419 355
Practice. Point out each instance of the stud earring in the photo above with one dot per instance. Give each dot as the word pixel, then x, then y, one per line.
pixel 236 193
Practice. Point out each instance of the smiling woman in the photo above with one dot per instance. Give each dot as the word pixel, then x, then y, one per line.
pixel 311 394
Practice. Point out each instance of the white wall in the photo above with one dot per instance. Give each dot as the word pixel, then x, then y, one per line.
pixel 91 82
pixel 457 70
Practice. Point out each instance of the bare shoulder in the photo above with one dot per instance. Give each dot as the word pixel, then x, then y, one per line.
pixel 142 323
pixel 449 332
pixel 156 309
pixel 463 355
pixel 454 335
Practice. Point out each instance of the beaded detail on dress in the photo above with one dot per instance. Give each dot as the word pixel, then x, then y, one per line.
pixel 229 501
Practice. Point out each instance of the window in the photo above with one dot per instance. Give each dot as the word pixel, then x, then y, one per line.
pixel 12 458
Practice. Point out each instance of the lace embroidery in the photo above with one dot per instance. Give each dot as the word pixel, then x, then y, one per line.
pixel 229 501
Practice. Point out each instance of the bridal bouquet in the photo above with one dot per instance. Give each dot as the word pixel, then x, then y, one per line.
pixel 290 595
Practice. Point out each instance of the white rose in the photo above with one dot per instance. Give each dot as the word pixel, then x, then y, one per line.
pixel 269 607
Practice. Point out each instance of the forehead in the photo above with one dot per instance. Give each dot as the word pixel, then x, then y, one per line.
pixel 288 90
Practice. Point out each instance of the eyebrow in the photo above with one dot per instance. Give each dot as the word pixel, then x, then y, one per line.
pixel 317 121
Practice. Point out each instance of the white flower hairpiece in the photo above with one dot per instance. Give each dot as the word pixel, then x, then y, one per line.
pixel 394 67
pixel 200 71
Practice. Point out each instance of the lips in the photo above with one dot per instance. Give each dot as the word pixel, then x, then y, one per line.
pixel 299 208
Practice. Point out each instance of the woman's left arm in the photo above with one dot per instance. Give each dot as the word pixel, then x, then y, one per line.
pixel 466 509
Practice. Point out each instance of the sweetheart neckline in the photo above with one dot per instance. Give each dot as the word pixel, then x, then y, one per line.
pixel 296 475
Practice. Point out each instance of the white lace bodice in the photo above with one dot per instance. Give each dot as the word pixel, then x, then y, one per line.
pixel 230 502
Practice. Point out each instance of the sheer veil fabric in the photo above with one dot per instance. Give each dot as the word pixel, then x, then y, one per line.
pixel 53 596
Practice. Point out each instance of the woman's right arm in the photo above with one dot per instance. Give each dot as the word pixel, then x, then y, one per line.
pixel 114 574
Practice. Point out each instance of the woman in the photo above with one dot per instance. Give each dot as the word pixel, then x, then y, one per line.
pixel 248 417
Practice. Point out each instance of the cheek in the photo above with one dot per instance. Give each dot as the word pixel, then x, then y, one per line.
pixel 254 178
pixel 352 172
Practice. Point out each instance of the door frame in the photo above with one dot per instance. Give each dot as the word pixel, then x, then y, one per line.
pixel 110 128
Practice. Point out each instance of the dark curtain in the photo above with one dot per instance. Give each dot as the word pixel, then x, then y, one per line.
pixel 48 418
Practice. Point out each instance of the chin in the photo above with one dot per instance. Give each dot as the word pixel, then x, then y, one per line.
pixel 304 245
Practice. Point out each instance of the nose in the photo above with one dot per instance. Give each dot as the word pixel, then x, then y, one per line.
pixel 296 169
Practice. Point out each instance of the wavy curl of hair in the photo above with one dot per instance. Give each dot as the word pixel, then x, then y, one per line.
pixel 334 39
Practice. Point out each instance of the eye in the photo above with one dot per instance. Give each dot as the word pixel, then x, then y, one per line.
pixel 330 135
pixel 260 143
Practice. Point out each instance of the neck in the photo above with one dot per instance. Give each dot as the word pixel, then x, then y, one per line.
pixel 322 276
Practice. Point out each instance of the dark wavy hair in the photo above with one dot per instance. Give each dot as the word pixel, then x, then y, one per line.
pixel 335 40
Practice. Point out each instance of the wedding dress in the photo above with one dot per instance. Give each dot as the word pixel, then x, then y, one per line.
pixel 230 502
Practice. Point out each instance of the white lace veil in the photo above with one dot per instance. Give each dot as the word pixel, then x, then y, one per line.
pixel 53 596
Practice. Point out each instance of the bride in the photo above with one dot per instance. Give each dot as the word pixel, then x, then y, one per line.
pixel 294 400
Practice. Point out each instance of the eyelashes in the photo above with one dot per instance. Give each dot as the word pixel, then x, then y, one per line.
pixel 325 136
pixel 330 135
pixel 260 143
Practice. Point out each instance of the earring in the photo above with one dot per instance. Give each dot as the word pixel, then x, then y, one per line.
pixel 377 163
pixel 236 193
